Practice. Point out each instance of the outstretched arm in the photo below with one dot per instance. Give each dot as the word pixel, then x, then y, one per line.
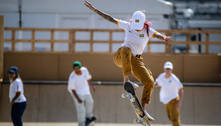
pixel 162 37
pixel 105 16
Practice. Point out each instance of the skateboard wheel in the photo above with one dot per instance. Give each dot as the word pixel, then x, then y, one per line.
pixel 123 95
pixel 126 95
pixel 139 121
pixel 132 100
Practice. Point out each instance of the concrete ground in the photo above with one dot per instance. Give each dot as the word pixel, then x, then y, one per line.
pixel 75 124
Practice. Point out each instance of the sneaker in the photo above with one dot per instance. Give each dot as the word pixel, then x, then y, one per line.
pixel 93 118
pixel 89 121
pixel 135 86
pixel 149 116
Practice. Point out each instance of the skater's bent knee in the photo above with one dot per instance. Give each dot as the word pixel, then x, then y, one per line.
pixel 148 83
pixel 145 101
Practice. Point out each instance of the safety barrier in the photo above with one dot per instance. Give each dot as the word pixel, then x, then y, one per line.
pixel 72 40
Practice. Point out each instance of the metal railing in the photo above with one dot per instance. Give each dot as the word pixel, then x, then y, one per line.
pixel 72 39
pixel 111 83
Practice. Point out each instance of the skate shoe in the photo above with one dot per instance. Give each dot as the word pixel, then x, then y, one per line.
pixel 90 121
pixel 135 86
pixel 149 116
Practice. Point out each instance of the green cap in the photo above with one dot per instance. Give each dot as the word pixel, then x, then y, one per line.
pixel 77 63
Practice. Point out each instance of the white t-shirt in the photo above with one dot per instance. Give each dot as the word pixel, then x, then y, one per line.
pixel 15 86
pixel 79 82
pixel 136 41
pixel 169 87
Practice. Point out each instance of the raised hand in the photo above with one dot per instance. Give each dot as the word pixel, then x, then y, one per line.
pixel 86 3
pixel 167 38
pixel 102 14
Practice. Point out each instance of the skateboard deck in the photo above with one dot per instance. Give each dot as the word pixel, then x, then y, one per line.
pixel 141 116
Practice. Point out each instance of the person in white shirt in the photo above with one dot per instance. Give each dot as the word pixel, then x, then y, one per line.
pixel 78 86
pixel 16 96
pixel 171 93
pixel 128 57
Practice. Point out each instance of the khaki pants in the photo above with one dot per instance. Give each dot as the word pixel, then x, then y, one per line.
pixel 130 64
pixel 173 113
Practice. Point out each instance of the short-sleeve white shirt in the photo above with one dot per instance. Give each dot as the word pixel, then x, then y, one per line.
pixel 15 86
pixel 136 41
pixel 169 87
pixel 79 82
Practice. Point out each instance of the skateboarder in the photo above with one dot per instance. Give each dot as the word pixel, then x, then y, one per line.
pixel 171 93
pixel 128 57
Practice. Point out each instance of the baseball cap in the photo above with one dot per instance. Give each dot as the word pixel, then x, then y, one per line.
pixel 138 20
pixel 13 69
pixel 77 63
pixel 169 65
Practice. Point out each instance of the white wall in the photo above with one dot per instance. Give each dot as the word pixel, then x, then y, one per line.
pixel 73 13
pixel 52 13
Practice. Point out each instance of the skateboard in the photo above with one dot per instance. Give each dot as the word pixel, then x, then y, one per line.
pixel 142 118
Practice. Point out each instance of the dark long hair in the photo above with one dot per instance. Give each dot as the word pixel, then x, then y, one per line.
pixel 148 24
pixel 16 76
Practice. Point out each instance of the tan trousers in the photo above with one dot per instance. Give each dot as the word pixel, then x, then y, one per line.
pixel 173 113
pixel 130 64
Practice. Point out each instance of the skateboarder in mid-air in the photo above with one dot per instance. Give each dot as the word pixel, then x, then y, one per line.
pixel 128 56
